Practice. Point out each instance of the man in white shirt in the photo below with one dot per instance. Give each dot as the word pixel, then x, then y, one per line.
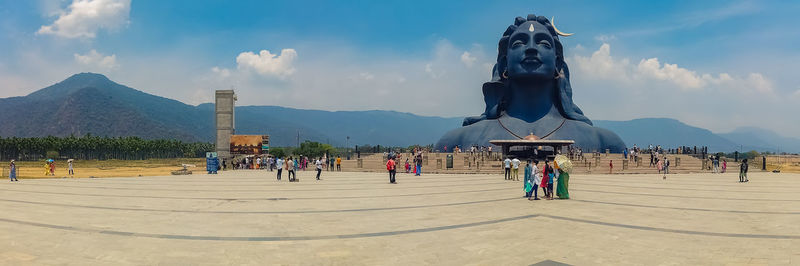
pixel 279 163
pixel 537 178
pixel 318 163
pixel 507 167
pixel 515 171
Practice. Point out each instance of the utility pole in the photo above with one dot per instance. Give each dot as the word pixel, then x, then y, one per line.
pixel 298 138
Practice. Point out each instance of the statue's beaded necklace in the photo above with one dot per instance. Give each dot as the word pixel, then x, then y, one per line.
pixel 564 120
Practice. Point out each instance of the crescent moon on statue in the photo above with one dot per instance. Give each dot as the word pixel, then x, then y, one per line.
pixel 553 22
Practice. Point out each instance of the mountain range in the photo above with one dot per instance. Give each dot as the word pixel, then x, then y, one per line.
pixel 91 103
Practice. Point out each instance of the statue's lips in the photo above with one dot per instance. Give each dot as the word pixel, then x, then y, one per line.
pixel 531 62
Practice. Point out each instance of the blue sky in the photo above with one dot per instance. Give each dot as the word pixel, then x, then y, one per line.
pixel 714 64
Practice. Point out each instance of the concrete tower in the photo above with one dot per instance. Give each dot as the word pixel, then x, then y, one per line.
pixel 225 101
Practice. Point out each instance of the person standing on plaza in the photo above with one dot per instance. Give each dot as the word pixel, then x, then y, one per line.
pixel 339 163
pixel 507 167
pixel 527 184
pixel 318 164
pixel 666 166
pixel 545 178
pixel 391 166
pixel 279 164
pixel 536 179
pixel 408 167
pixel 743 171
pixel 12 171
pixel 610 166
pixel 724 166
pixel 659 165
pixel 70 170
pixel 715 164
pixel 563 168
pixel 551 179
pixel 291 165
pixel 515 169
pixel 418 160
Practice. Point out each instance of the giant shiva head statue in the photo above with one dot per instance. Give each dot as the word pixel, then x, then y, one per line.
pixel 529 51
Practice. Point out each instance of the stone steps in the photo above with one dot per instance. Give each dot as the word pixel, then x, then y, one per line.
pixel 375 163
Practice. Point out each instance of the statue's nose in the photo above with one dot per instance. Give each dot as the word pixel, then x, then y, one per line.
pixel 531 49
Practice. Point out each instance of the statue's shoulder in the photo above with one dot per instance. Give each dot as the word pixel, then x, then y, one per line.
pixel 594 137
pixel 474 134
pixel 610 139
pixel 471 129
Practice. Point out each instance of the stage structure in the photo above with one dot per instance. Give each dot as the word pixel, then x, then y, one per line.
pixel 249 144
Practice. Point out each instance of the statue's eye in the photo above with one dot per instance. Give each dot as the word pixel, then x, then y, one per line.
pixel 545 43
pixel 517 43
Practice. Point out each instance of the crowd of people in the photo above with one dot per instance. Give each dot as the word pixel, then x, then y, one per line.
pixel 290 164
pixel 659 160
pixel 414 161
pixel 301 163
pixel 474 151
pixel 392 159
pixel 549 177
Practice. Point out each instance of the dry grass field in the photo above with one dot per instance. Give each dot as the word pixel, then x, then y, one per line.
pixel 107 168
pixel 784 163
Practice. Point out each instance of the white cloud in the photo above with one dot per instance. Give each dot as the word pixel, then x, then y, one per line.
pixel 796 95
pixel 602 65
pixel 431 72
pixel 97 61
pixel 605 38
pixel 366 76
pixel 684 78
pixel 83 18
pixel 268 64
pixel 612 87
pixel 222 72
pixel 468 59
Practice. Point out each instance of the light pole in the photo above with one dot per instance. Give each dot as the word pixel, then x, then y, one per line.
pixel 347 146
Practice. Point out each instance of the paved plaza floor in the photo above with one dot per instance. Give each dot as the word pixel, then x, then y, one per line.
pixel 250 218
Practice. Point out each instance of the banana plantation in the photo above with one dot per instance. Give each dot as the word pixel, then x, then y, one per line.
pixel 98 148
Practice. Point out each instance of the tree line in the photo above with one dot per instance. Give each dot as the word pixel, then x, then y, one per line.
pixel 90 147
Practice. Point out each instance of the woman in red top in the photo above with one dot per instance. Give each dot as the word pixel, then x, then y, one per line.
pixel 545 178
pixel 392 167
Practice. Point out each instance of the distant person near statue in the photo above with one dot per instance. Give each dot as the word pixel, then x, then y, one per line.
pixel 530 92
pixel 743 167
pixel 318 165
pixel 70 170
pixel 12 171
pixel 391 166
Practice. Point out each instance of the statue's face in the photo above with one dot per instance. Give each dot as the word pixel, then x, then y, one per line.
pixel 531 54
